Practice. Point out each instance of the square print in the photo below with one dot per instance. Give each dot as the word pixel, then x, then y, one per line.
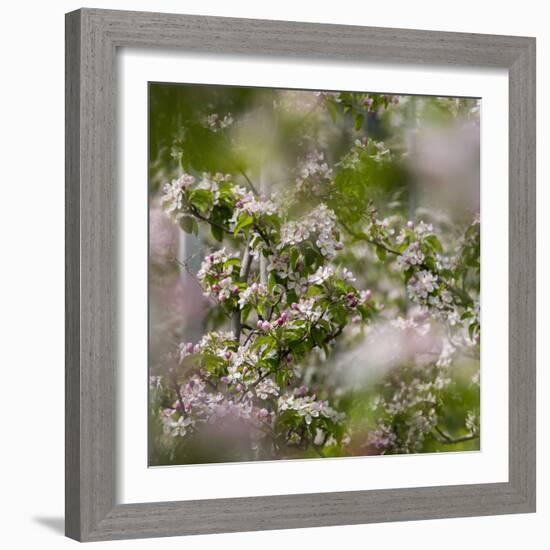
pixel 314 274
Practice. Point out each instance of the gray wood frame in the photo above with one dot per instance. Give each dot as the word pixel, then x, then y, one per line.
pixel 92 38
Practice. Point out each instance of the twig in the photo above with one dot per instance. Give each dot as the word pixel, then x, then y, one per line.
pixel 449 440
pixel 248 180
pixel 198 215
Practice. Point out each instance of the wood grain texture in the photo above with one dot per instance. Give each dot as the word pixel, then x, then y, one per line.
pixel 72 276
pixel 92 37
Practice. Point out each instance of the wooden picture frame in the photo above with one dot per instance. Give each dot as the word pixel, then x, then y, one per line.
pixel 92 39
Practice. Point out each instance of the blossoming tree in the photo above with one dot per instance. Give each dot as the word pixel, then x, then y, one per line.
pixel 306 277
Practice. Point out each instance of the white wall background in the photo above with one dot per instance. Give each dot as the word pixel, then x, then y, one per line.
pixel 32 262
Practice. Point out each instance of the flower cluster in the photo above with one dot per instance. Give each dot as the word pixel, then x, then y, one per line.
pixel 173 194
pixel 253 294
pixel 319 226
pixel 215 122
pixel 412 255
pixel 308 407
pixel 250 209
pixel 217 275
pixel 196 406
pixel 414 404
pixel 314 174
pixel 422 284
pixel 187 197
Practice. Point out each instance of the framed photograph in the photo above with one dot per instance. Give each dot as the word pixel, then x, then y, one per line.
pixel 300 275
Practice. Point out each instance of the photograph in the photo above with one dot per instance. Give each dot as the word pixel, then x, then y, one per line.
pixel 314 274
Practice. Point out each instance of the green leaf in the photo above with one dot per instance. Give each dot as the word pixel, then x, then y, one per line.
pixel 333 110
pixel 359 119
pixel 217 232
pixel 186 223
pixel 267 341
pixel 313 291
pixel 271 282
pixel 230 262
pixel 433 241
pixel 244 221
pixel 381 252
pixel 245 312
pixel 201 199
pixel 294 256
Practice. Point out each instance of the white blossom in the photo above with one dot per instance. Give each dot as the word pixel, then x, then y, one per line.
pixel 421 284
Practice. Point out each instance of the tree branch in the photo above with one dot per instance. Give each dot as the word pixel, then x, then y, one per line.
pixel 449 440
pixel 243 276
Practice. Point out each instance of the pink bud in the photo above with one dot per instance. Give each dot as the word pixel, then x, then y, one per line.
pixel 294 306
pixel 265 326
pixel 216 287
pixel 282 318
pixel 259 324
pixel 339 245
pixel 410 224
pixel 367 294
pixel 189 347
